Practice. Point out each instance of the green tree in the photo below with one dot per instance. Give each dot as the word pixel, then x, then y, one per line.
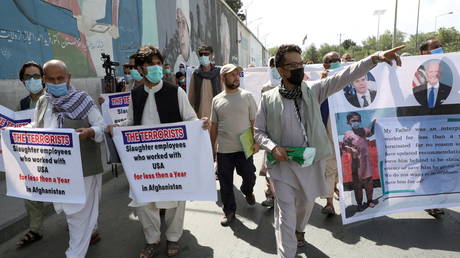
pixel 326 48
pixel 272 51
pixel 236 5
pixel 346 44
pixel 311 53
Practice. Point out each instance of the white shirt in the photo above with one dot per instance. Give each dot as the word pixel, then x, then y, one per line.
pixel 367 95
pixel 428 89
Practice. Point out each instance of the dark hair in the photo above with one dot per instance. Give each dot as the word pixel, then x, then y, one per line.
pixel 352 114
pixel 26 65
pixel 145 54
pixel 179 74
pixel 133 56
pixel 326 57
pixel 283 50
pixel 205 48
pixel 271 63
pixel 126 66
pixel 424 46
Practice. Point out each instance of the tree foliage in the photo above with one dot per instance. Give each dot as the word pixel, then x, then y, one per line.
pixel 236 7
pixel 272 51
pixel 450 38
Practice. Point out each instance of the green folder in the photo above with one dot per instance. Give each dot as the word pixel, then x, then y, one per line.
pixel 247 140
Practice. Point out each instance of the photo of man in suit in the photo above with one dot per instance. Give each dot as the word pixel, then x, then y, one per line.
pixel 364 96
pixel 432 93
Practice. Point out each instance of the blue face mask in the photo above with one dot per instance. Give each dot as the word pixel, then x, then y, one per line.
pixel 335 65
pixel 438 50
pixel 128 78
pixel 204 60
pixel 356 125
pixel 182 70
pixel 154 73
pixel 275 74
pixel 34 86
pixel 57 90
pixel 167 71
pixel 135 74
pixel 181 81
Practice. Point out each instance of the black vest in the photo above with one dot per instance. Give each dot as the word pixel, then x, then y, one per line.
pixel 165 99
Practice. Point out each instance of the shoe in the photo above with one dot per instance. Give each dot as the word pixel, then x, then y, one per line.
pixel 227 219
pixel 328 210
pixel 250 199
pixel 300 239
pixel 361 207
pixel 269 202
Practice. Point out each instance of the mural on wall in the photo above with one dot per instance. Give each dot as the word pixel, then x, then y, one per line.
pixel 78 31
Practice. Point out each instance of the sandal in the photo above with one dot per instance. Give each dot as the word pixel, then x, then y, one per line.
pixel 300 238
pixel 95 238
pixel 150 250
pixel 29 238
pixel 370 204
pixel 435 212
pixel 173 248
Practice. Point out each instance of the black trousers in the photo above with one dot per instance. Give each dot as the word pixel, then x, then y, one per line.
pixel 226 163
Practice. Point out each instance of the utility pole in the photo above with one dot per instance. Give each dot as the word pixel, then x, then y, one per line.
pixel 394 28
pixel 416 30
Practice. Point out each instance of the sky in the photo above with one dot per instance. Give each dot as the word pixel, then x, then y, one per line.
pixel 276 22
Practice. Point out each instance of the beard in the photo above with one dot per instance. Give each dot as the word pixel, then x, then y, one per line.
pixel 231 86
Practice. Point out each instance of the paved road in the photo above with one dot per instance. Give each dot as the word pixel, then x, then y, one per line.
pixel 412 234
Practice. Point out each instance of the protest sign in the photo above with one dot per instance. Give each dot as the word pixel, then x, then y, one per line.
pixel 167 162
pixel 397 147
pixel 9 118
pixel 43 164
pixel 115 107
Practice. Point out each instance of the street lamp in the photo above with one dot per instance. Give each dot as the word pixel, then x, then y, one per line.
pixel 439 15
pixel 378 13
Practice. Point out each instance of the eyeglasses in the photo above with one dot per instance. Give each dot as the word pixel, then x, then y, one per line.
pixel 203 54
pixel 36 76
pixel 293 65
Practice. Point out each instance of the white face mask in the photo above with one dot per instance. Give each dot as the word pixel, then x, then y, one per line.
pixel 34 86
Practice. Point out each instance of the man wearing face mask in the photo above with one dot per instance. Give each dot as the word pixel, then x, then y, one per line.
pixel 138 79
pixel 204 84
pixel 274 81
pixel 31 75
pixel 355 142
pixel 233 112
pixel 168 74
pixel 158 102
pixel 289 116
pixel 64 107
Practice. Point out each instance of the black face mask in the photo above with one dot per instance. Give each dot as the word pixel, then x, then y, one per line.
pixel 296 76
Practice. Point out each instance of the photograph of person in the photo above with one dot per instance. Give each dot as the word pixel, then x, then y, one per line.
pixel 364 95
pixel 355 142
pixel 434 85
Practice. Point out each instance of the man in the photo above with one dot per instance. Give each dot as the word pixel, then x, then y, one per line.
pixel 355 142
pixel 274 81
pixel 432 93
pixel 180 80
pixel 127 78
pixel 331 172
pixel 347 58
pixel 289 116
pixel 364 96
pixel 64 107
pixel 31 75
pixel 167 74
pixel 204 84
pixel 138 79
pixel 432 46
pixel 233 112
pixel 158 102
